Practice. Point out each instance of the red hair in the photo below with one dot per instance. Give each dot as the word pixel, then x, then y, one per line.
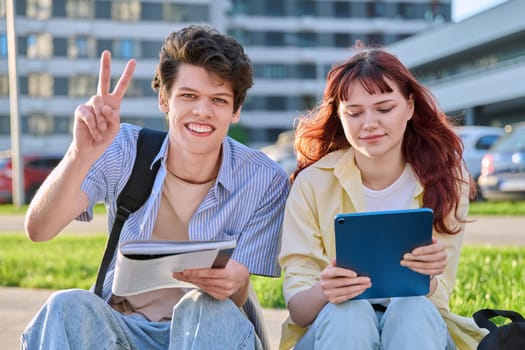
pixel 430 145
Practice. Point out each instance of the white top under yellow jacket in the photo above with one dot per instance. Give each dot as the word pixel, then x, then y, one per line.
pixel 332 186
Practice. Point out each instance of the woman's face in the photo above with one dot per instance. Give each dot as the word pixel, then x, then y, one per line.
pixel 374 125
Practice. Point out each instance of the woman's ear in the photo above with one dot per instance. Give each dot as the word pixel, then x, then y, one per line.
pixel 411 106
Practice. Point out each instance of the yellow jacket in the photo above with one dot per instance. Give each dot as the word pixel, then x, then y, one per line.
pixel 332 186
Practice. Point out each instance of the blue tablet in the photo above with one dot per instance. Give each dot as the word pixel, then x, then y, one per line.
pixel 373 243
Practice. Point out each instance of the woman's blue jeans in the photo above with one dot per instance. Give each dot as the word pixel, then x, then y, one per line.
pixel 80 320
pixel 407 323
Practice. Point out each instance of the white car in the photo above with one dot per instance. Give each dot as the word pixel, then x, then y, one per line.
pixel 476 142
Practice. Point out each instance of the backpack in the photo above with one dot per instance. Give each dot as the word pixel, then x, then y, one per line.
pixel 134 195
pixel 507 337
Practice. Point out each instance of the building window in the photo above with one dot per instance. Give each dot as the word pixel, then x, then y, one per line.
pixel 271 71
pixel 3 8
pixel 126 48
pixel 80 8
pixel 5 125
pixel 38 123
pixel 305 8
pixel 126 10
pixel 276 103
pixel 275 8
pixel 82 86
pixel 3 45
pixel 134 88
pixel 63 125
pixel 185 13
pixel 306 39
pixel 39 45
pixel 39 9
pixel 305 71
pixel 81 46
pixel 40 84
pixel 275 39
pixel 307 102
pixel 4 85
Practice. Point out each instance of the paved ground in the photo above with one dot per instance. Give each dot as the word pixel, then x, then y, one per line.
pixel 17 306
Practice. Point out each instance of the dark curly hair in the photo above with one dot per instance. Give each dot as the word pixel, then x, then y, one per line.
pixel 204 46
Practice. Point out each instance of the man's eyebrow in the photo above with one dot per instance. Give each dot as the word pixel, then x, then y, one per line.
pixel 187 88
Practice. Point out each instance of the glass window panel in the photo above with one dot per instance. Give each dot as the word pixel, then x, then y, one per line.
pixel 39 45
pixel 59 8
pixel 306 39
pixel 306 8
pixel 39 9
pixel 103 10
pixel 306 71
pixel 63 125
pixel 271 71
pixel 126 10
pixel 126 48
pixel 82 86
pixel 3 45
pixel 60 47
pixel 61 86
pixel 103 44
pixel 276 103
pixel 80 8
pixel 4 85
pixel 81 46
pixel 5 125
pixel 40 84
pixel 38 123
pixel 275 39
pixel 150 49
pixel 185 13
pixel 152 11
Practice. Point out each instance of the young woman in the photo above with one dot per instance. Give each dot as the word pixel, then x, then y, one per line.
pixel 377 141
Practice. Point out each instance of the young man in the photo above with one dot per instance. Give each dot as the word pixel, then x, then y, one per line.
pixel 208 187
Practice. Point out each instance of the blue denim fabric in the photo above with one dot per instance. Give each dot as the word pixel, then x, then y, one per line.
pixel 407 323
pixel 79 320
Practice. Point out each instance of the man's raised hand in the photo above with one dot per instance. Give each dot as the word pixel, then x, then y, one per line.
pixel 97 122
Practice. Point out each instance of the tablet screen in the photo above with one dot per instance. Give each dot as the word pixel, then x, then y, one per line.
pixel 373 243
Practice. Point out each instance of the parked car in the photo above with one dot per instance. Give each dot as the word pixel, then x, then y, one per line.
pixel 503 167
pixel 36 168
pixel 282 151
pixel 477 140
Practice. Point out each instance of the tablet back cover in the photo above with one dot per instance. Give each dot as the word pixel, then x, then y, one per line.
pixel 373 243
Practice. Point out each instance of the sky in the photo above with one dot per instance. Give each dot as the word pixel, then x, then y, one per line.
pixel 462 9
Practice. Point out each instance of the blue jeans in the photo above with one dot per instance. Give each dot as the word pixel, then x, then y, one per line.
pixel 407 323
pixel 79 320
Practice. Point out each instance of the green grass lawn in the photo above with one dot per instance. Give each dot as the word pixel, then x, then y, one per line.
pixel 489 277
pixel 476 208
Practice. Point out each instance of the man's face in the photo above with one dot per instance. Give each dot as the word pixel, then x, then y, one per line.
pixel 199 110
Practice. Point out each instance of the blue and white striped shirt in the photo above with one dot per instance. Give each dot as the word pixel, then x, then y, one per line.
pixel 246 203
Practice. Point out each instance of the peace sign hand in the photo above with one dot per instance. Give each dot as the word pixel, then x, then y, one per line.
pixel 98 121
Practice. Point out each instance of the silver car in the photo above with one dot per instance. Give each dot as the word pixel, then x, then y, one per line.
pixel 503 167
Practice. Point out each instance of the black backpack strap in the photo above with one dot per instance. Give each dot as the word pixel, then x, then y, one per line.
pixel 482 317
pixel 135 192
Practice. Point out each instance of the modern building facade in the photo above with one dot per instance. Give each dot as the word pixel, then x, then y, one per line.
pixel 292 45
pixel 475 67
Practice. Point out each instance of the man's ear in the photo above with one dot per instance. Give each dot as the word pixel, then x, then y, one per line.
pixel 163 103
pixel 236 116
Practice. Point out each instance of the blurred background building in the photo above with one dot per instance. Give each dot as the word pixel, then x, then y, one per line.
pixel 292 45
pixel 476 67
